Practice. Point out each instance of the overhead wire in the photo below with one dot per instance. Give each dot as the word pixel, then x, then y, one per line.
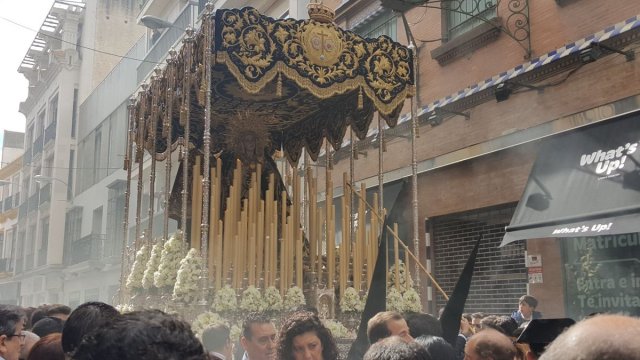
pixel 75 44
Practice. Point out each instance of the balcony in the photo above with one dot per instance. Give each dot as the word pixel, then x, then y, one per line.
pixel 23 209
pixel 87 248
pixel 7 204
pixel 4 265
pixel 26 158
pixel 37 146
pixel 50 132
pixel 45 194
pixel 33 202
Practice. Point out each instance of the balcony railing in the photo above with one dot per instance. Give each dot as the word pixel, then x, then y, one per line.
pixel 87 248
pixel 42 256
pixel 45 194
pixel 37 146
pixel 50 132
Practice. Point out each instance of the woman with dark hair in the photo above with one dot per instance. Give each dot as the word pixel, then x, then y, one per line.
pixel 303 336
pixel 84 319
pixel 47 348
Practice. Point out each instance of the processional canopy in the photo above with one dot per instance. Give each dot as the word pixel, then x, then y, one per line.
pixel 285 83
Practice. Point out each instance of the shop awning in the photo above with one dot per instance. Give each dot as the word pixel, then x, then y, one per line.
pixel 584 183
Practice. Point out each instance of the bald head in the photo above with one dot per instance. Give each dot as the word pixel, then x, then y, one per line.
pixel 489 344
pixel 612 337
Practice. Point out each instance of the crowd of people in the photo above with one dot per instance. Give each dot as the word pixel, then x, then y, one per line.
pixel 97 331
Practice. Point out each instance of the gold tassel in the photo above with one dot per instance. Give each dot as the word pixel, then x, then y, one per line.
pixel 360 100
pixel 279 86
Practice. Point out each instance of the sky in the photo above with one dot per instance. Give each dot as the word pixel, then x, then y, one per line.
pixel 30 14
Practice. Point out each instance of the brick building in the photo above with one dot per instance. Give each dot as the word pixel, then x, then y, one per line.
pixel 477 142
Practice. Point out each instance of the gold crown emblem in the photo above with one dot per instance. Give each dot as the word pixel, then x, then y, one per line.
pixel 320 12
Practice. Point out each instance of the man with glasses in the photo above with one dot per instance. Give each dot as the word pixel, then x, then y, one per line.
pixel 258 337
pixel 11 336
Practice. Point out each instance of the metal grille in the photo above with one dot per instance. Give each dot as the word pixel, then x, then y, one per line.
pixel 464 15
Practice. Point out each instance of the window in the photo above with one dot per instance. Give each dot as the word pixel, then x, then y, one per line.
pixel 115 215
pixel 97 155
pixel 44 234
pixel 74 114
pixel 72 155
pixel 53 110
pixel 383 24
pixel 464 15
pixel 40 123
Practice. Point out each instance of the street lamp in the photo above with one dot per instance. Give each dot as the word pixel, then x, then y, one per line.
pixel 46 179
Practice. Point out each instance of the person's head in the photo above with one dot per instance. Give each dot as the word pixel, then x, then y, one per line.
pixel 12 321
pixel 421 324
pixel 258 337
pixel 37 314
pixel 216 338
pixel 396 348
pixel 505 324
pixel 489 344
pixel 304 337
pixel 612 337
pixel 47 325
pixel 47 348
pixel 142 335
pixel 85 318
pixel 437 347
pixel 28 311
pixel 58 311
pixel 476 319
pixel 30 339
pixel 527 305
pixel 385 324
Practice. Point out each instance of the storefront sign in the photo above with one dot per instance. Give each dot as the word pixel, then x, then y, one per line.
pixel 602 274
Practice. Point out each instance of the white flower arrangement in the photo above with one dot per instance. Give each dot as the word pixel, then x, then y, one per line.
pixel 336 328
pixel 134 281
pixel 273 299
pixel 252 300
pixel 152 266
pixel 235 332
pixel 402 281
pixel 395 302
pixel 172 254
pixel 412 301
pixel 124 308
pixel 351 301
pixel 294 298
pixel 187 281
pixel 225 300
pixel 205 320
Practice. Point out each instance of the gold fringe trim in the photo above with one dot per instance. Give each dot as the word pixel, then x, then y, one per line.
pixel 360 100
pixel 279 86
pixel 322 93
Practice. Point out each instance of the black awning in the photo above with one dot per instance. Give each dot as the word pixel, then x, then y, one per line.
pixel 583 183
